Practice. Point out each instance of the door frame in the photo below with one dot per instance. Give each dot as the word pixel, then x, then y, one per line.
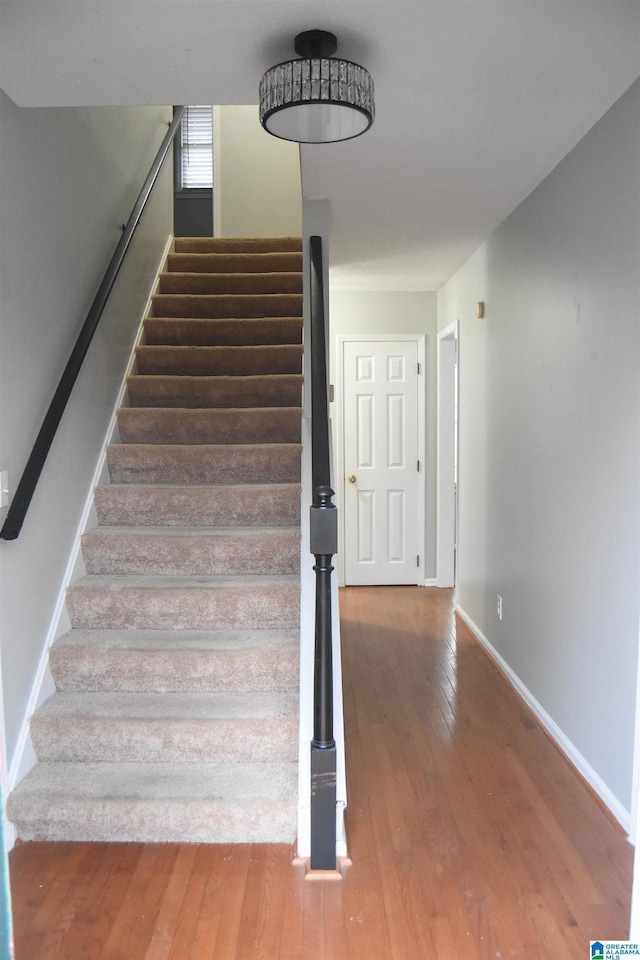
pixel 339 438
pixel 446 497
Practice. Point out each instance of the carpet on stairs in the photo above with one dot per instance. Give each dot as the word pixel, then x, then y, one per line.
pixel 175 716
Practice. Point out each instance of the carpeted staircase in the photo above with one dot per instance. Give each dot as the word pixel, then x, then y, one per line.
pixel 176 711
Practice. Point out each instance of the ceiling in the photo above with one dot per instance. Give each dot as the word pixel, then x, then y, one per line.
pixel 476 100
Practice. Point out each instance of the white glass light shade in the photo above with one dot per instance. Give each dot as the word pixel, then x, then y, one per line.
pixel 318 100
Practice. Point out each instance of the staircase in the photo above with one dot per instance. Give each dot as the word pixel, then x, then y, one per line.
pixel 175 716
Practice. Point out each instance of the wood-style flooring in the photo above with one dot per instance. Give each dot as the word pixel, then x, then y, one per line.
pixel 470 835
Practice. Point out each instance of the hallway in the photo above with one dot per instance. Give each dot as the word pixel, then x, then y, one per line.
pixel 471 837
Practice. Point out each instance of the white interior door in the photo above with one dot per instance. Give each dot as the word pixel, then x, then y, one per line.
pixel 381 468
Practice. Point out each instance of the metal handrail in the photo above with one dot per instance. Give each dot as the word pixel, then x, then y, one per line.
pixel 323 545
pixel 31 474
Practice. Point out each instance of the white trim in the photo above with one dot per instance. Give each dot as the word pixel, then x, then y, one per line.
pixel 431 582
pixel 563 743
pixel 634 932
pixel 446 501
pixel 24 758
pixel 420 340
pixel 217 164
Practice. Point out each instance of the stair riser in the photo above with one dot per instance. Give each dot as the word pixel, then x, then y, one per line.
pixel 275 505
pixel 227 305
pixel 172 671
pixel 219 361
pixel 235 262
pixel 137 608
pixel 284 390
pixel 232 283
pixel 83 739
pixel 113 554
pixel 103 820
pixel 167 425
pixel 221 333
pixel 204 464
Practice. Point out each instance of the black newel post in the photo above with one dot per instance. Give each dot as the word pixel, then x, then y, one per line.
pixel 324 545
pixel 323 746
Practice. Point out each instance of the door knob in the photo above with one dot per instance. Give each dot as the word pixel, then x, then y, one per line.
pixel 351 478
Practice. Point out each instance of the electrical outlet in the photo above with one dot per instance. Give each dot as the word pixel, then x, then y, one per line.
pixel 4 488
pixel 499 607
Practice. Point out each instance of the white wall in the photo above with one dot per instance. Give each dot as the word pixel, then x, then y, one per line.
pixel 549 444
pixel 257 191
pixel 68 180
pixel 368 313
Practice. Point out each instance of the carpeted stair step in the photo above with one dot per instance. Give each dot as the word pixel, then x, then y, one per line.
pixel 192 552
pixel 184 603
pixel 284 262
pixel 282 390
pixel 158 802
pixel 175 716
pixel 270 504
pixel 245 284
pixel 219 361
pixel 227 305
pixel 204 463
pixel 166 727
pixel 224 425
pixel 246 245
pixel 200 332
pixel 164 661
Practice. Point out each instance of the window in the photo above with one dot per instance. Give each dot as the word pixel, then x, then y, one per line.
pixel 194 171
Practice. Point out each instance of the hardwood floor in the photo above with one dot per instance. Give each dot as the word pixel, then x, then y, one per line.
pixel 471 837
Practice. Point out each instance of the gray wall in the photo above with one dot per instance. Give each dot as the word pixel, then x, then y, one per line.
pixel 68 180
pixel 365 313
pixel 549 442
pixel 256 178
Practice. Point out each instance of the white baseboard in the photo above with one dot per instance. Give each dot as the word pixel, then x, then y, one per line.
pixel 563 743
pixel 24 758
pixel 431 582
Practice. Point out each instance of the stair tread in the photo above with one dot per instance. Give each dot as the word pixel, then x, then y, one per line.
pixel 167 582
pixel 223 351
pixel 279 261
pixel 158 802
pixel 207 783
pixel 196 532
pixel 186 488
pixel 203 448
pixel 227 305
pixel 169 706
pixel 235 283
pixel 195 378
pixel 216 464
pixel 210 505
pixel 200 413
pixel 206 425
pixel 205 640
pixel 248 245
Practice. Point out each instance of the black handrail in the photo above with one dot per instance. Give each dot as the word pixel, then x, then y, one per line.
pixel 323 544
pixel 28 482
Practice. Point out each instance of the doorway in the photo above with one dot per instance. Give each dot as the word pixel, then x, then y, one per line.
pixel 381 459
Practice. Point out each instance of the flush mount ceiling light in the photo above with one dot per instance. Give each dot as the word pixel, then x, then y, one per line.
pixel 319 98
